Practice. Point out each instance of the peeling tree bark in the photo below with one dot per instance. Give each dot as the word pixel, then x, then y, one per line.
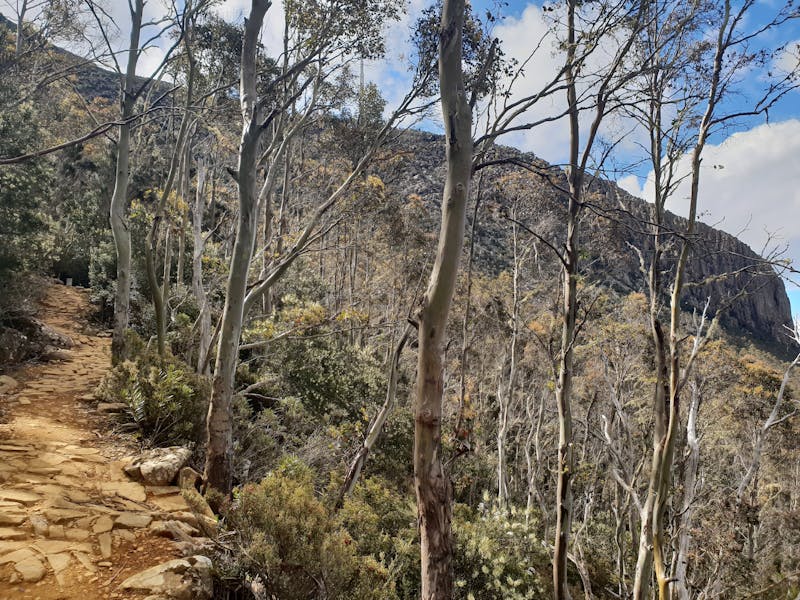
pixel 431 480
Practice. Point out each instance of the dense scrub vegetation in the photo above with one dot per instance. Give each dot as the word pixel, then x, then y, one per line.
pixel 325 351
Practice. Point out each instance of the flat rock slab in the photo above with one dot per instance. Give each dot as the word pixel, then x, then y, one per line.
pixel 7 533
pixel 59 515
pixel 10 546
pixel 59 546
pixel 124 534
pixel 133 520
pixel 19 496
pixel 84 559
pixel 129 490
pixel 59 562
pixel 17 556
pixel 103 524
pixel 183 578
pixel 77 535
pixel 31 570
pixel 170 503
pixel 9 517
pixel 80 451
pixel 12 448
pixel 78 496
pixel 104 539
pixel 51 459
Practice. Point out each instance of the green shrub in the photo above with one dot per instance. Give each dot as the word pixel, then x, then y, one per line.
pixel 164 397
pixel 256 436
pixel 287 538
pixel 498 556
pixel 383 523
pixel 102 279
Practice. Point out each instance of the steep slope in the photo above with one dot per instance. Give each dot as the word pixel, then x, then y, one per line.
pixel 88 79
pixel 615 226
pixel 750 297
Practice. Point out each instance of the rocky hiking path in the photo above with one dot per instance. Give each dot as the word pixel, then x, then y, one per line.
pixel 73 525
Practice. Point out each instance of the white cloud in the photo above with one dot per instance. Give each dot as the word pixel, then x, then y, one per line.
pixel 749 186
pixel 535 29
pixel 788 60
pixel 631 184
pixel 391 73
pixel 233 10
pixel 519 37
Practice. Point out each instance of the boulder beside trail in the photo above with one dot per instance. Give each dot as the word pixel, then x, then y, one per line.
pixel 158 466
pixel 8 384
pixel 179 579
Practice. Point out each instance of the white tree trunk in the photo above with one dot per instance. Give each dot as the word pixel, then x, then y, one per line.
pixel 431 481
pixel 198 289
pixel 119 200
pixel 219 444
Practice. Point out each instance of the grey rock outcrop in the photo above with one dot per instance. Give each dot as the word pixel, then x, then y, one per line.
pixel 749 295
pixel 23 337
pixel 158 466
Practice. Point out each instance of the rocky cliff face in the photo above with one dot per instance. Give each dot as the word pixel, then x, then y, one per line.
pixel 748 295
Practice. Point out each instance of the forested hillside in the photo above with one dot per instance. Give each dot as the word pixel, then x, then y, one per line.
pixel 410 364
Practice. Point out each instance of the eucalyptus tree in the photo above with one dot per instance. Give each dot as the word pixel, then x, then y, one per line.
pixel 689 79
pixel 594 82
pixel 431 482
pixel 144 35
pixel 476 72
pixel 320 39
pixel 178 169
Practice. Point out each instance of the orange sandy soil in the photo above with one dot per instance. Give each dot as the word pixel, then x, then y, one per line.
pixel 72 524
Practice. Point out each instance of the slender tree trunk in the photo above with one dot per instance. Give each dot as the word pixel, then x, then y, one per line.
pixel 667 406
pixel 506 400
pixel 431 481
pixel 21 27
pixel 178 166
pixel 219 444
pixel 568 320
pixel 534 461
pixel 198 289
pixel 684 528
pixel 376 428
pixel 186 188
pixel 772 420
pixel 119 199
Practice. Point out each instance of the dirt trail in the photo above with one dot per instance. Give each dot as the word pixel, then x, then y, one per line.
pixel 72 524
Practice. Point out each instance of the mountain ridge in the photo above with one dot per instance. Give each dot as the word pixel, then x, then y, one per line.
pixel 614 228
pixel 611 231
